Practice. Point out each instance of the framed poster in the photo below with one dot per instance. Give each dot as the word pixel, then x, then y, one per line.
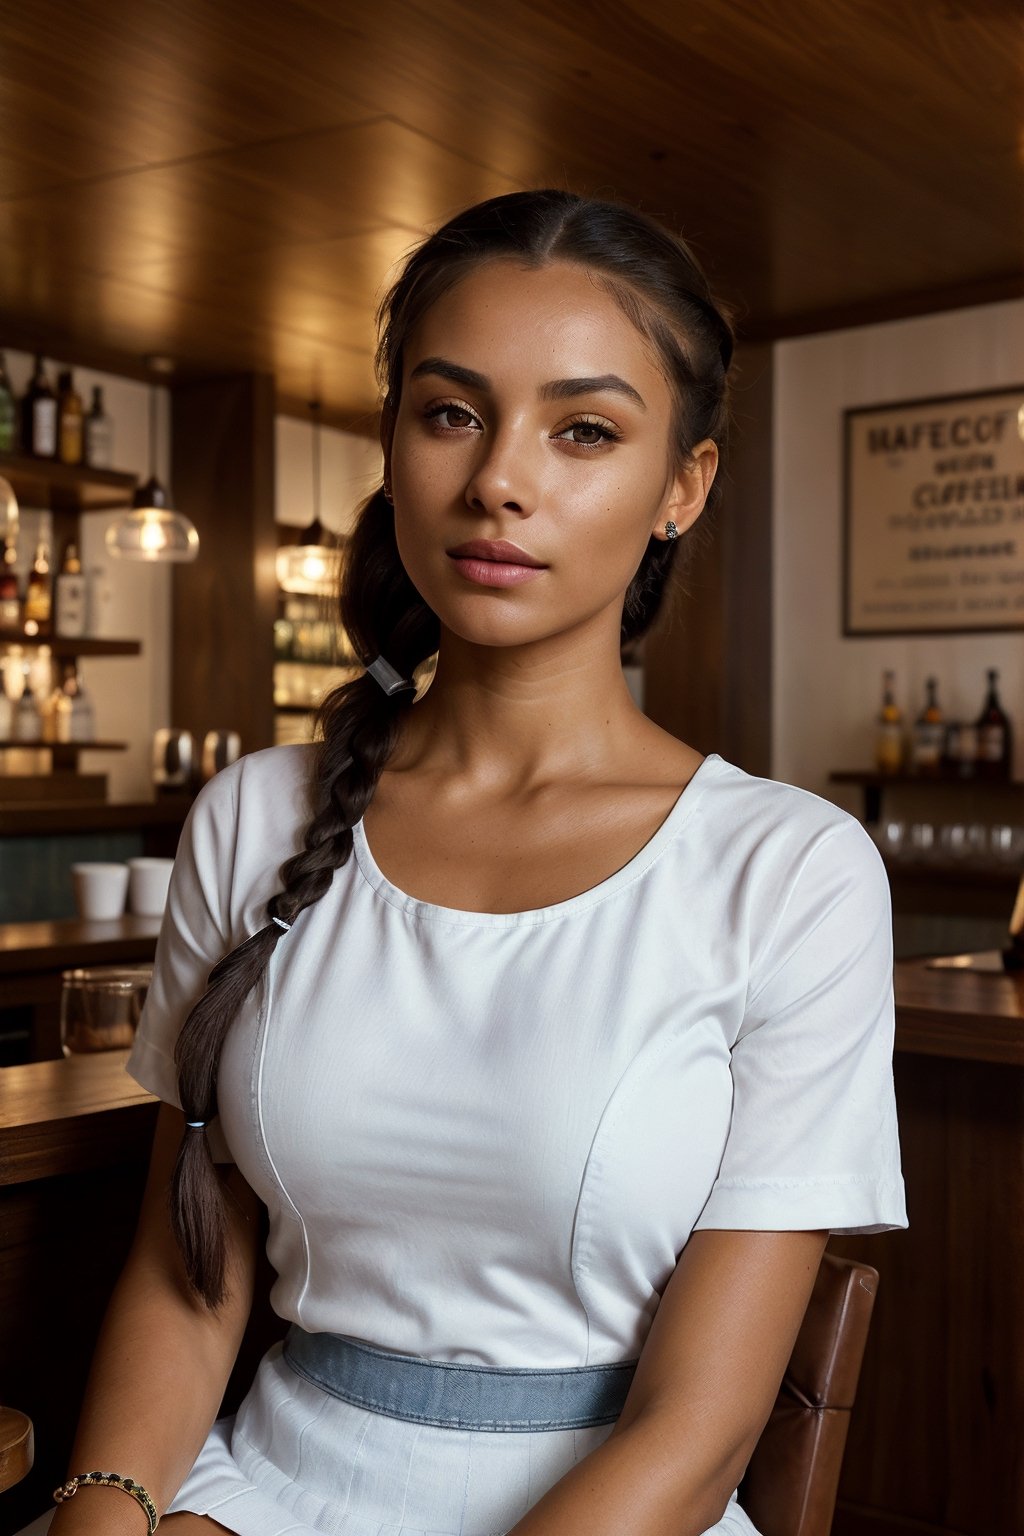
pixel 933 515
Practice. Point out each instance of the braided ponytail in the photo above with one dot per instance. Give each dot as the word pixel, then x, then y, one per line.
pixel 357 726
pixel 658 282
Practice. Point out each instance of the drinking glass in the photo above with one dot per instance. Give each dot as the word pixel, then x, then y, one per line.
pixel 922 839
pixel 100 1007
pixel 889 837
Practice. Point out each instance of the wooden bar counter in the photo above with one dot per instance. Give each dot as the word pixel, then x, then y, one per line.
pixel 32 956
pixel 936 1440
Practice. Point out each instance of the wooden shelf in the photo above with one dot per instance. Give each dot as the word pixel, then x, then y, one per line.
pixel 869 779
pixel 142 816
pixel 964 872
pixel 62 645
pixel 11 745
pixel 66 487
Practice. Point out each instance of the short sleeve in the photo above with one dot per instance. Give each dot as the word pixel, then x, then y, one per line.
pixel 813 1141
pixel 194 935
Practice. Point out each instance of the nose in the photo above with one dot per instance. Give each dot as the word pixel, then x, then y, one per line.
pixel 503 478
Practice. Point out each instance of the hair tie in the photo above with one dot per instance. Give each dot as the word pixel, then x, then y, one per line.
pixel 282 924
pixel 196 1125
pixel 391 681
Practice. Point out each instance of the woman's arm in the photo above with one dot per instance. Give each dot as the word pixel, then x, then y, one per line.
pixel 705 1385
pixel 163 1360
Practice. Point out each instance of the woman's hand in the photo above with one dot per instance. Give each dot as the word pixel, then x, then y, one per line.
pixel 705 1385
pixel 163 1359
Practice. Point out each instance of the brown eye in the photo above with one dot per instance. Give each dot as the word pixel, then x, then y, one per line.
pixel 587 434
pixel 452 417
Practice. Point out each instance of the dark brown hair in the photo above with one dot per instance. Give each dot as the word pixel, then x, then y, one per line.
pixel 658 282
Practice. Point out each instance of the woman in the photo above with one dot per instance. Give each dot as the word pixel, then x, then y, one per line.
pixel 548 1045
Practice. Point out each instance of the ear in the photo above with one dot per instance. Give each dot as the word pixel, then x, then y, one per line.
pixel 387 434
pixel 688 489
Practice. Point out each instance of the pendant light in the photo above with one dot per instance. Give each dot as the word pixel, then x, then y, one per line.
pixel 152 530
pixel 311 567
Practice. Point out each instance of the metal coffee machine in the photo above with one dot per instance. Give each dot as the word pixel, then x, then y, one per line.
pixel 175 762
pixel 220 748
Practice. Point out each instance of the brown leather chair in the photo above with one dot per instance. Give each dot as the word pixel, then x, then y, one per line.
pixel 791 1483
pixel 16 1448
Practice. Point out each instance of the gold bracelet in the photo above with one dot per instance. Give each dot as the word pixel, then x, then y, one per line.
pixel 110 1480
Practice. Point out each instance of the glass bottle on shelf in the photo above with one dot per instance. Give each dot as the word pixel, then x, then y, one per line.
pixel 929 732
pixel 6 704
pixel 99 433
pixel 889 732
pixel 995 735
pixel 27 725
pixel 8 412
pixel 71 593
pixel 10 594
pixel 38 592
pixel 39 415
pixel 75 719
pixel 70 419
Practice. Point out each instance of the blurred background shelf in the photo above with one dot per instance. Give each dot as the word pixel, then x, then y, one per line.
pixel 62 645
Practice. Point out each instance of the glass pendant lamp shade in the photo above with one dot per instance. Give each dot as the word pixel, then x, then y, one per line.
pixel 312 567
pixel 152 530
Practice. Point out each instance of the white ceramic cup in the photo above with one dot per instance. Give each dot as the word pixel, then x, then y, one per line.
pixel 148 880
pixel 100 890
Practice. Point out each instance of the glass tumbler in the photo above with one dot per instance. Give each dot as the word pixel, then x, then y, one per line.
pixel 100 1007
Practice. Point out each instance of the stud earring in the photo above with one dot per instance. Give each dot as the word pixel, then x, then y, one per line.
pixel 671 531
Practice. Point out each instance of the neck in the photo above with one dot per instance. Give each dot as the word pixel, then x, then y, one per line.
pixel 522 716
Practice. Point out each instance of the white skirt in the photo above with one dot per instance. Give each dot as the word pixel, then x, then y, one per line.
pixel 295 1461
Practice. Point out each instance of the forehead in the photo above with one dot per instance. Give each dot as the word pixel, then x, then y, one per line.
pixel 558 320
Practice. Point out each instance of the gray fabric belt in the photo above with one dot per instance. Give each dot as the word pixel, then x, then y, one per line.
pixel 457 1396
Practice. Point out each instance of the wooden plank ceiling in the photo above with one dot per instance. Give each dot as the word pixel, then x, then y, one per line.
pixel 229 182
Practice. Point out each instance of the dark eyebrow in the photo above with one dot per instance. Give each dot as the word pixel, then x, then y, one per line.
pixel 557 389
pixel 566 389
pixel 454 372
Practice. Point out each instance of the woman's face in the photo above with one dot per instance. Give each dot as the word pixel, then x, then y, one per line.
pixel 533 414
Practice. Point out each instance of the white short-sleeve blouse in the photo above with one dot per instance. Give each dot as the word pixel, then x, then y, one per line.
pixel 487 1137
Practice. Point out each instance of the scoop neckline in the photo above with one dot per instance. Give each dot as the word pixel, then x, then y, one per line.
pixel 681 809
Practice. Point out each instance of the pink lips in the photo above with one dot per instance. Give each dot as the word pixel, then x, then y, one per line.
pixel 494 563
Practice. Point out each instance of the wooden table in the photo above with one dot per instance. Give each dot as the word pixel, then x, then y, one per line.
pixel 74 1145
pixel 32 956
pixel 937 1440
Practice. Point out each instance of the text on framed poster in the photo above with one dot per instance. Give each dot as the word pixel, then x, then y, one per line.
pixel 934 515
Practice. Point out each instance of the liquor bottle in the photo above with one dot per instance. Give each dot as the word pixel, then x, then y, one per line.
pixel 929 732
pixel 889 735
pixel 27 725
pixel 75 719
pixel 995 735
pixel 38 596
pixel 71 596
pixel 39 415
pixel 99 433
pixel 70 419
pixel 6 706
pixel 10 596
pixel 8 413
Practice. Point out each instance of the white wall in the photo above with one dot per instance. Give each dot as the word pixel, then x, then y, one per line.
pixel 131 695
pixel 350 468
pixel 827 688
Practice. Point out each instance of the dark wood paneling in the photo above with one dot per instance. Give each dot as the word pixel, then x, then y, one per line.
pixel 225 603
pixel 935 1443
pixel 832 163
pixel 708 663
